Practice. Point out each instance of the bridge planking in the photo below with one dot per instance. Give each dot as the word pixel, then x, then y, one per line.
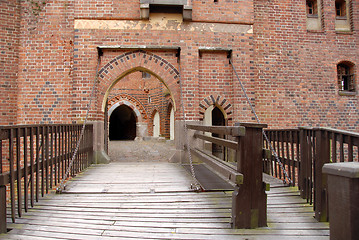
pixel 155 212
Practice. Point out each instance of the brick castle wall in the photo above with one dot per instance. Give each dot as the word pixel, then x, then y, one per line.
pixel 288 71
pixel 9 60
pixel 297 75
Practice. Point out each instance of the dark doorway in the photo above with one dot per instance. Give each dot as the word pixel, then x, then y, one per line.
pixel 122 124
pixel 218 120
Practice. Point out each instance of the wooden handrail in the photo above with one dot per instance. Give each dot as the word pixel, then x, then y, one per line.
pixel 303 152
pixel 39 156
pixel 235 131
pixel 219 141
pixel 249 198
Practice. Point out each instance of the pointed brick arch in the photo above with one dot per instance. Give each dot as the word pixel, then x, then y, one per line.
pixel 138 60
pixel 219 101
pixel 131 102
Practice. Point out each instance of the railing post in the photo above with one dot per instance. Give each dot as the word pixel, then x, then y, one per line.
pixel 322 156
pixel 303 162
pixel 3 226
pixel 343 184
pixel 249 205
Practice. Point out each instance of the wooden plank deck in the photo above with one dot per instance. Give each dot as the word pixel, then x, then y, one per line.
pixel 151 200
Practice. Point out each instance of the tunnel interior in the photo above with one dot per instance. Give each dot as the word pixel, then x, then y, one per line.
pixel 122 124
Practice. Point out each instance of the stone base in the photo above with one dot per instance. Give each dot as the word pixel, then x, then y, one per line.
pixel 101 157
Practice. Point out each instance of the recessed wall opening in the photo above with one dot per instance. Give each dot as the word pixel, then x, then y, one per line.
pixel 218 120
pixel 122 124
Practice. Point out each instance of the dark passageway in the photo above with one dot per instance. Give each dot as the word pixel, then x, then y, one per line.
pixel 122 124
pixel 218 120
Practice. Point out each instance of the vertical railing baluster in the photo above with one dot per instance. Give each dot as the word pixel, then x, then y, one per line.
pixel 18 169
pixel 66 143
pixel 350 149
pixel 51 158
pixel 12 175
pixel 291 162
pixel 281 154
pixel 47 160
pixel 71 149
pixel 54 157
pixel 302 183
pixel 341 144
pixel 310 167
pixel 287 155
pixel 38 149
pixel 275 145
pixel 43 174
pixel 297 136
pixel 63 151
pixel 334 148
pixel 32 176
pixel 26 170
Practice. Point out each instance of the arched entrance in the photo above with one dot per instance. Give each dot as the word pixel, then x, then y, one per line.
pixel 218 120
pixel 116 70
pixel 122 124
pixel 214 116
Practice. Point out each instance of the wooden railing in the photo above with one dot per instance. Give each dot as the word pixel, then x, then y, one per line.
pixel 303 152
pixel 34 159
pixel 249 197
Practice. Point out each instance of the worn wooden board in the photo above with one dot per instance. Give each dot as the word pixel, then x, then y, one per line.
pixel 137 212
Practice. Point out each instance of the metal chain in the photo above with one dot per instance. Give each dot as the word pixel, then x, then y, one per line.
pixel 61 187
pixel 263 132
pixel 195 185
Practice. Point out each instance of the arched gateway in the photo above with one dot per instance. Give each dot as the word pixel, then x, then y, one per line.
pixel 126 63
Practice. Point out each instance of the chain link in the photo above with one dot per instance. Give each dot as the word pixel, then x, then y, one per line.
pixel 62 186
pixel 263 132
pixel 195 184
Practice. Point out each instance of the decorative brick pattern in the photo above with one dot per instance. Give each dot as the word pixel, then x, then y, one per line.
pixel 135 105
pixel 216 100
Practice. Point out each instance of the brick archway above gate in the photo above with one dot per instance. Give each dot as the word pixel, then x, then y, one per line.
pixel 138 60
pixel 216 100
pixel 129 101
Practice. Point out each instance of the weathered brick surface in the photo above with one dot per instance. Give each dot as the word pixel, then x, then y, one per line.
pixel 45 65
pixel 297 79
pixel 9 59
pixel 289 72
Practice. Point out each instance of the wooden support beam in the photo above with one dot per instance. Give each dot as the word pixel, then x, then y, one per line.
pixel 249 205
pixel 220 168
pixel 218 141
pixel 235 131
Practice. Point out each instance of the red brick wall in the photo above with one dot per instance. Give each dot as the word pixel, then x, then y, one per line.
pixel 240 11
pixel 289 72
pixel 9 59
pixel 297 81
pixel 46 63
pixel 108 9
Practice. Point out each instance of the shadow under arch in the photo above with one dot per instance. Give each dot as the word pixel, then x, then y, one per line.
pixel 123 121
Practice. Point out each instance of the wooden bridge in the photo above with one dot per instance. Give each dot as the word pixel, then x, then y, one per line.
pixel 153 200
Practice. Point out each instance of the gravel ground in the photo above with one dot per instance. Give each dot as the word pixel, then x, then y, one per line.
pixel 141 151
